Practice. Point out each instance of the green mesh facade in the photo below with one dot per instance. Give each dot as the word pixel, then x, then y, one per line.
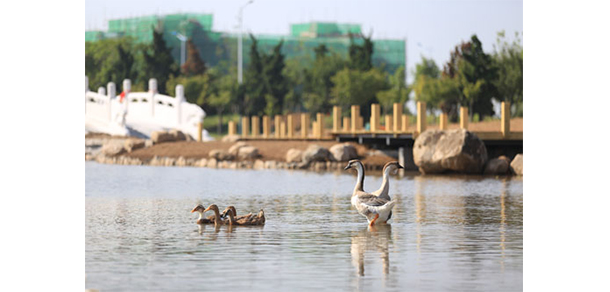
pixel 323 29
pixel 217 47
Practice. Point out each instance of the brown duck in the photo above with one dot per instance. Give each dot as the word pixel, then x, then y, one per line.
pixel 200 209
pixel 225 213
pixel 245 219
pixel 217 219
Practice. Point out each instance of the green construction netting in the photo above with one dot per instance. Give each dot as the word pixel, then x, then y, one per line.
pixel 323 29
pixel 215 47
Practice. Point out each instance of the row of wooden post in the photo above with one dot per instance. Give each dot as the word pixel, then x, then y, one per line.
pixel 395 123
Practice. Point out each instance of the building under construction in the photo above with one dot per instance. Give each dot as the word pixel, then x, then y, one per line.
pixel 221 47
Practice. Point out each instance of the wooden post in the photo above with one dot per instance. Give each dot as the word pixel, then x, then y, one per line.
pixel 200 131
pixel 360 119
pixel 421 117
pixel 320 124
pixel 282 129
pixel 464 118
pixel 388 123
pixel 255 126
pixel 276 125
pixel 290 126
pixel 336 118
pixel 375 117
pixel 346 124
pixel 266 126
pixel 245 126
pixel 232 128
pixel 505 120
pixel 304 125
pixel 355 112
pixel 405 123
pixel 397 115
pixel 314 129
pixel 443 121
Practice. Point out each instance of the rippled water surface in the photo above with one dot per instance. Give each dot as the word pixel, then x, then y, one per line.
pixel 446 234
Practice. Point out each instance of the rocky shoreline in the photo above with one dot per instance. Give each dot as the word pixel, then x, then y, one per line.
pixel 465 154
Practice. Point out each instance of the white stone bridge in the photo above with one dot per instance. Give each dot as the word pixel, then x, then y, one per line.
pixel 140 113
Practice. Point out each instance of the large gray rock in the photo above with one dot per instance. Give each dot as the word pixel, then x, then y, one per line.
pixel 247 152
pixel 343 152
pixel 234 150
pixel 161 137
pixel 178 135
pixel 517 164
pixel 498 166
pixel 220 155
pixel 460 151
pixel 315 153
pixel 132 144
pixel 294 155
pixel 112 149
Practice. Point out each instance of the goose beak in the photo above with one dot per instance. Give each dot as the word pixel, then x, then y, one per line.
pixel 347 167
pixel 400 166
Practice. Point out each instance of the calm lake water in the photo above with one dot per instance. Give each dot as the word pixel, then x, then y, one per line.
pixel 447 233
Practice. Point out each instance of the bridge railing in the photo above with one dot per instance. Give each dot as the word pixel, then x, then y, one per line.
pixel 149 109
pixel 299 126
pixel 103 110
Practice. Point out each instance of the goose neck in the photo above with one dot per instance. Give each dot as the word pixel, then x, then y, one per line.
pixel 360 181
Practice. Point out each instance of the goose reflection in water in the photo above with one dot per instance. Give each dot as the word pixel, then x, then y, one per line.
pixel 372 238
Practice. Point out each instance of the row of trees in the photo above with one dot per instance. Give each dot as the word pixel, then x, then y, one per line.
pixel 473 78
pixel 274 85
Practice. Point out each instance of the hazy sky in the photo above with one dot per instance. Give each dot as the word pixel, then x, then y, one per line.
pixel 431 28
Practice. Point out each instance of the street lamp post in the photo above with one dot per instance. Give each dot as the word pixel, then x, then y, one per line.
pixel 182 39
pixel 239 44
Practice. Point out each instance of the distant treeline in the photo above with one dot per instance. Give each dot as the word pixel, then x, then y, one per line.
pixel 275 85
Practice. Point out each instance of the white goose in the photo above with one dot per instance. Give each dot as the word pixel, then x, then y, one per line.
pixel 376 209
pixel 384 190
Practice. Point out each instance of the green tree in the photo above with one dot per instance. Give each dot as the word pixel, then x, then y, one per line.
pixel 355 87
pixel 427 67
pixel 159 61
pixel 439 92
pixel 253 93
pixel 317 80
pixel 197 88
pixel 193 65
pixel 398 92
pixel 361 56
pixel 222 96
pixel 275 83
pixel 476 73
pixel 508 57
pixel 294 72
pixel 111 60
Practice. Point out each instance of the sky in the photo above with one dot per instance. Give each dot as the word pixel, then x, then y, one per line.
pixel 430 28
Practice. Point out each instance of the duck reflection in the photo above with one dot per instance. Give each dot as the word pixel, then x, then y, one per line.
pixel 372 238
pixel 215 228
